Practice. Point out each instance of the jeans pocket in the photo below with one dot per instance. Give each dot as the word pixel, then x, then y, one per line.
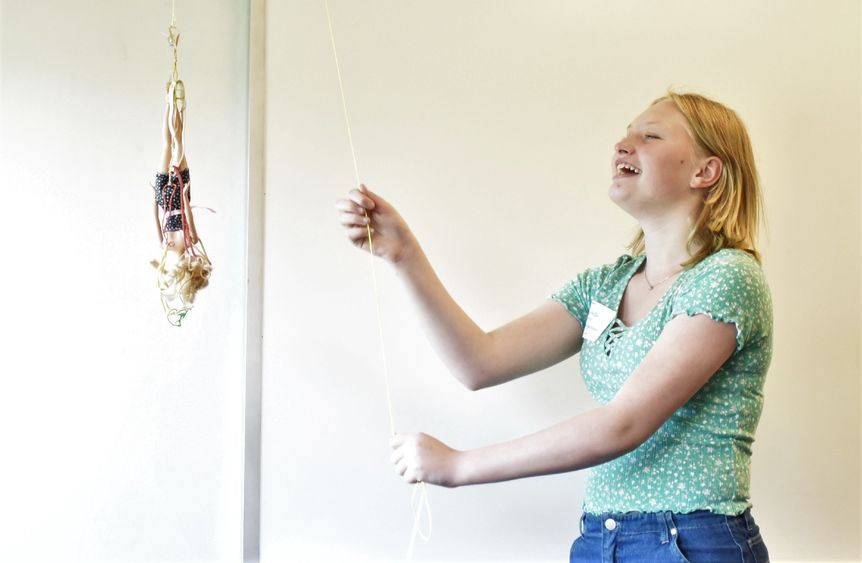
pixel 675 549
pixel 713 543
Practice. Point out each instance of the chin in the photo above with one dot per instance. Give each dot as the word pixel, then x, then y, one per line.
pixel 622 199
pixel 618 194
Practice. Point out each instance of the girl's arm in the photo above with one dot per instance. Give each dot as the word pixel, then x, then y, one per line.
pixel 477 358
pixel 678 365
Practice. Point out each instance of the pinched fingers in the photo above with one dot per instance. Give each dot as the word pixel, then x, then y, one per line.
pixel 402 454
pixel 362 199
pixel 353 219
pixel 405 457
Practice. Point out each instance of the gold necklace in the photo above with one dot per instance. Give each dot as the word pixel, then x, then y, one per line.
pixel 653 286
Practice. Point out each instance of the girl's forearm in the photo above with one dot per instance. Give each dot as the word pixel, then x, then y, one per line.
pixel 457 340
pixel 589 439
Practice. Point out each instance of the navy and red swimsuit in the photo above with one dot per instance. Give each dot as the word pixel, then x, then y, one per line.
pixel 169 197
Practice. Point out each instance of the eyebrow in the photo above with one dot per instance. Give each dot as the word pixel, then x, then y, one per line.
pixel 647 123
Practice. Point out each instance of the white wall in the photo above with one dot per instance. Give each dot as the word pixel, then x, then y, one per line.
pixel 490 125
pixel 121 435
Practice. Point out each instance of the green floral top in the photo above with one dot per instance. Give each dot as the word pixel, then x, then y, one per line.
pixel 700 457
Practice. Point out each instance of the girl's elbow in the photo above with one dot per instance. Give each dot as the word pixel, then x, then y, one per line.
pixel 628 433
pixel 472 381
pixel 473 378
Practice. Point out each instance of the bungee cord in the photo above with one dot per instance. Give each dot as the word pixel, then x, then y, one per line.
pixel 420 491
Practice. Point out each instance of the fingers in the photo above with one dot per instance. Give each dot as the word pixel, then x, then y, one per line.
pixel 358 235
pixel 404 457
pixel 362 199
pixel 347 208
pixel 353 219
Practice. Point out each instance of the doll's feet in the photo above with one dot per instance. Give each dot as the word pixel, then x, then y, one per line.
pixel 180 96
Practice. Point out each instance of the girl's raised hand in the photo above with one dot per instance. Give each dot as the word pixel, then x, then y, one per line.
pixel 390 235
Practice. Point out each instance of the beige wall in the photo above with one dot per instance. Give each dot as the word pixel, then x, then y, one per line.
pixel 490 126
pixel 121 435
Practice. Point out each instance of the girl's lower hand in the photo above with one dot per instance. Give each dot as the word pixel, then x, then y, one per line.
pixel 390 235
pixel 419 457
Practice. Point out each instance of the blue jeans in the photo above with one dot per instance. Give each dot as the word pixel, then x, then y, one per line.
pixel 642 537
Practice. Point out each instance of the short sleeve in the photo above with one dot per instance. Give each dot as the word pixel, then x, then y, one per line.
pixel 578 294
pixel 729 288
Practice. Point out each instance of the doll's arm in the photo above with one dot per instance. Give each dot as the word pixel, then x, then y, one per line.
pixel 158 222
pixel 190 218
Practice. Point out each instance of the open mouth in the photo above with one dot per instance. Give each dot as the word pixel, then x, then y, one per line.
pixel 624 170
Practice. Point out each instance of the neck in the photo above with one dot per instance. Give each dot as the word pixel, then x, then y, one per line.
pixel 665 246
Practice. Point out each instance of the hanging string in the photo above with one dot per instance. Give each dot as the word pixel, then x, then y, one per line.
pixel 421 488
pixel 173 40
pixel 344 102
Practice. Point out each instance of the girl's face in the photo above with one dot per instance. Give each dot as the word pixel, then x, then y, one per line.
pixel 656 165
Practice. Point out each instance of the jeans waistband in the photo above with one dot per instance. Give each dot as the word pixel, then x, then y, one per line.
pixel 661 522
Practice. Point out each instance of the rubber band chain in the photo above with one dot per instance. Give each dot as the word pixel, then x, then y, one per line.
pixel 420 491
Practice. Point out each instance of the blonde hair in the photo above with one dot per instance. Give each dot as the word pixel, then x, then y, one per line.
pixel 732 208
pixel 190 274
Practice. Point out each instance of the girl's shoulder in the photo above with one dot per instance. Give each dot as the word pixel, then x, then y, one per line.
pixel 726 269
pixel 729 261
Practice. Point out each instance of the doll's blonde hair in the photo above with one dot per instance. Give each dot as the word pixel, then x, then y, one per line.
pixel 733 207
pixel 190 274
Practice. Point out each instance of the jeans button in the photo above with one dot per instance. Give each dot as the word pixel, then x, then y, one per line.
pixel 610 524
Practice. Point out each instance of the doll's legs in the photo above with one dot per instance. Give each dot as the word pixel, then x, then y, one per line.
pixel 165 161
pixel 175 131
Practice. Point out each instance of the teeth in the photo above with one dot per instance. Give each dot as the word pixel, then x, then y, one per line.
pixel 628 167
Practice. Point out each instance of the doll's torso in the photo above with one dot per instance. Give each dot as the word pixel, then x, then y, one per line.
pixel 176 241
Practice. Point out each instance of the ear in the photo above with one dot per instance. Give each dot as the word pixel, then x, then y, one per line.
pixel 708 173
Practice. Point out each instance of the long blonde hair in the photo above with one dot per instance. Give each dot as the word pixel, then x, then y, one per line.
pixel 732 208
pixel 191 274
pixel 182 281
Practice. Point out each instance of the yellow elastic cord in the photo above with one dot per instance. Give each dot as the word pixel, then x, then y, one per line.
pixel 421 489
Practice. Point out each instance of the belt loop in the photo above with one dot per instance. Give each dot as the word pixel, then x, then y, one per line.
pixel 670 527
pixel 749 520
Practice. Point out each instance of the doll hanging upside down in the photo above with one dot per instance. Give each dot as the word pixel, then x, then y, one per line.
pixel 187 268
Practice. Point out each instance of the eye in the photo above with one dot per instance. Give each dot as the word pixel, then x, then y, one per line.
pixel 651 136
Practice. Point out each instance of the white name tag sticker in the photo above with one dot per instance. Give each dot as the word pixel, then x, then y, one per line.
pixel 598 319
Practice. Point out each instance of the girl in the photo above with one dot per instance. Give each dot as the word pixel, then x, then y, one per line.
pixel 674 338
pixel 187 268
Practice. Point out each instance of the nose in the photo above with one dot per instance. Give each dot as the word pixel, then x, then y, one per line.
pixel 622 147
